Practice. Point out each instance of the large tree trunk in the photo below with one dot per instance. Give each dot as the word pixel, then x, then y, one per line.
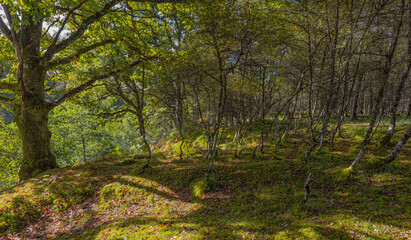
pixel 32 112
pixel 37 156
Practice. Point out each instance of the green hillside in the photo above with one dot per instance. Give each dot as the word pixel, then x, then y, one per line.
pixel 243 198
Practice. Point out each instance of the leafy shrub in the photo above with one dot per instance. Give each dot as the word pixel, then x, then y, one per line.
pixel 201 141
pixel 79 136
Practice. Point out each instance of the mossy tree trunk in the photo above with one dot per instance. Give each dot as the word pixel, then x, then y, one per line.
pixel 32 110
pixel 37 156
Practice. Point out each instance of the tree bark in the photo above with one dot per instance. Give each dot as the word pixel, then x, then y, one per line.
pixel 393 155
pixel 142 129
pixel 36 137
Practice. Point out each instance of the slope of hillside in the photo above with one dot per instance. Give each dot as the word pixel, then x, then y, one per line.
pixel 243 198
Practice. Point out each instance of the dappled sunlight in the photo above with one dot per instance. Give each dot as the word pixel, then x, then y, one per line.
pixel 244 198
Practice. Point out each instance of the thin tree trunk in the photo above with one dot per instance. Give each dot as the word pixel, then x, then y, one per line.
pixel 385 77
pixel 307 154
pixel 213 140
pixel 398 94
pixel 143 137
pixel 354 105
pixel 140 117
pixel 330 98
pixel 393 155
pixel 182 143
pixel 237 140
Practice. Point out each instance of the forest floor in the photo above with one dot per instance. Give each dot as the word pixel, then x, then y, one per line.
pixel 244 198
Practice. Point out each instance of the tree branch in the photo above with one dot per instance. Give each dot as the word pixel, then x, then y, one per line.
pixel 79 52
pixel 14 37
pixel 81 88
pixel 55 48
pixel 90 83
pixel 65 21
pixel 5 30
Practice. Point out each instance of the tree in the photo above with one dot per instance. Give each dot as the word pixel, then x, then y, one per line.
pixel 37 53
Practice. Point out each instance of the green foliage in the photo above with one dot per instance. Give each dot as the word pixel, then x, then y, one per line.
pixel 190 54
pixel 80 136
pixel 201 141
pixel 10 154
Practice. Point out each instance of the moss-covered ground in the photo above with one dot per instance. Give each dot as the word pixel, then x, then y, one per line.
pixel 243 198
